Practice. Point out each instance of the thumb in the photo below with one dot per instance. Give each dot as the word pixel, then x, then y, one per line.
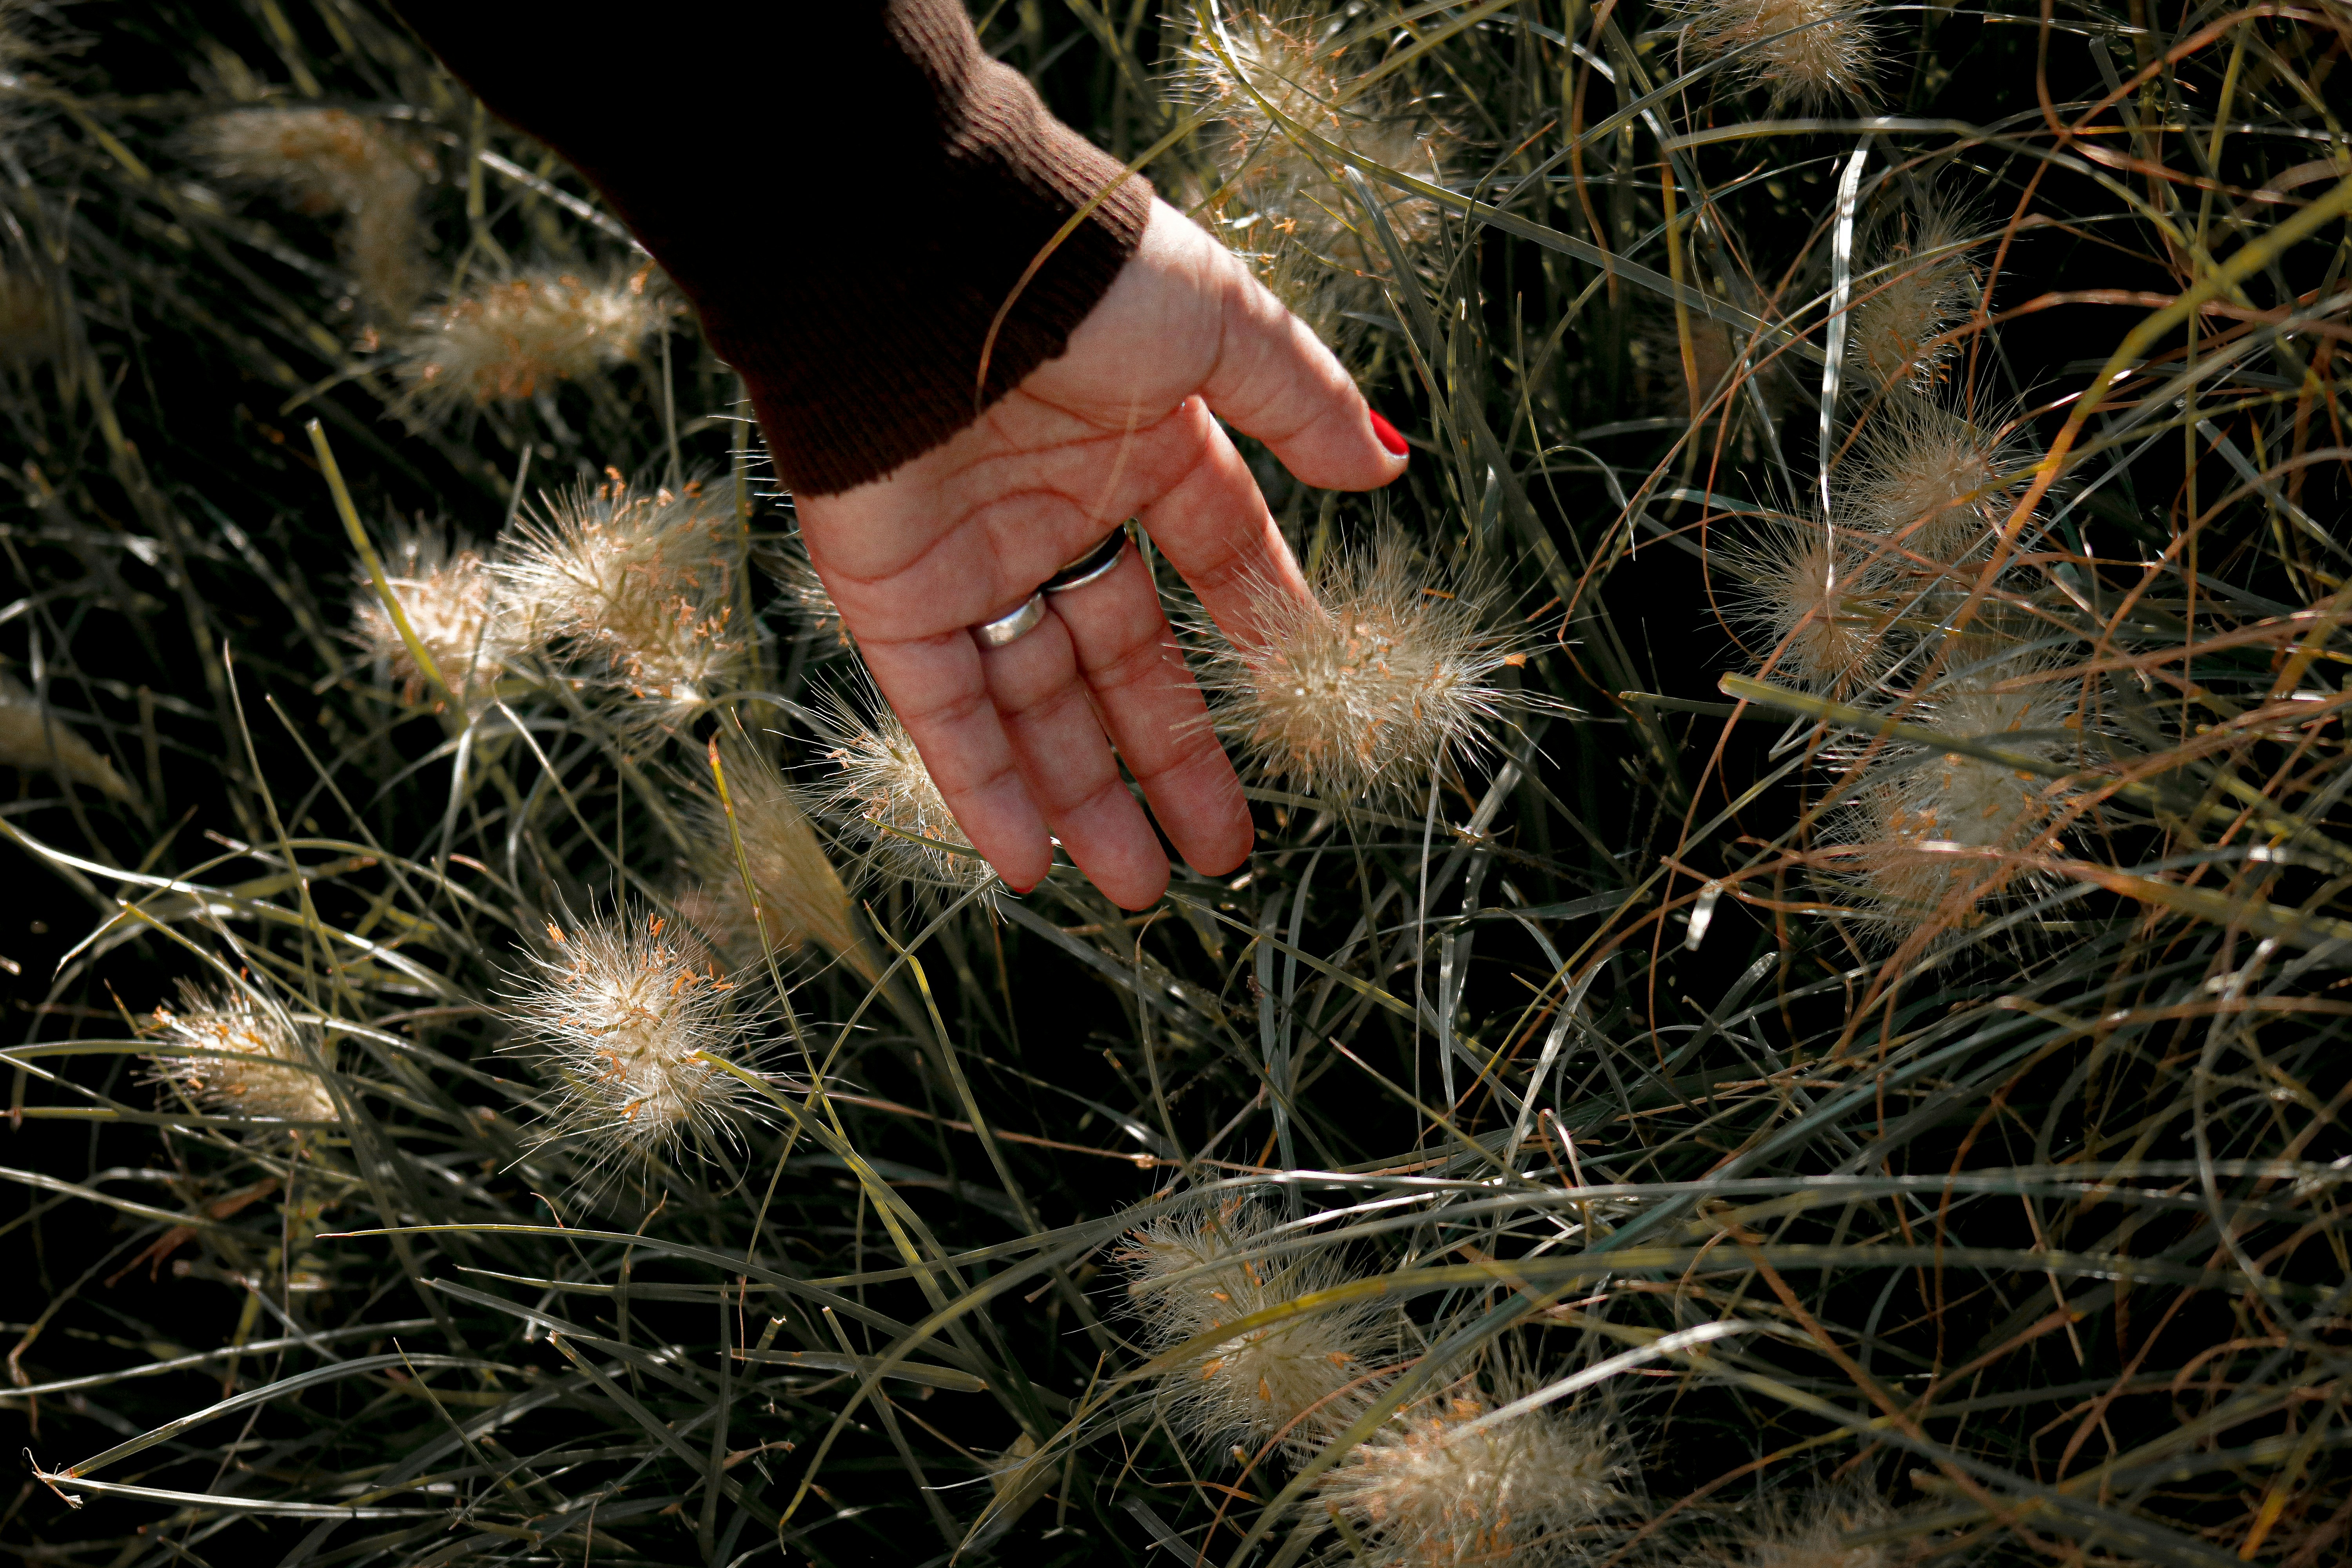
pixel 1273 379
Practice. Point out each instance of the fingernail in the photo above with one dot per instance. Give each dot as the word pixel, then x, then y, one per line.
pixel 1389 435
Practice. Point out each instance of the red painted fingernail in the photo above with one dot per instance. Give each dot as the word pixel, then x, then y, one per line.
pixel 1389 435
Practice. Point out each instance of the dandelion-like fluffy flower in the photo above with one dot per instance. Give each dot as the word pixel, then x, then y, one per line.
pixel 879 789
pixel 506 342
pixel 1804 52
pixel 1455 1481
pixel 623 1020
pixel 1385 677
pixel 32 737
pixel 448 595
pixel 1936 484
pixel 1295 1382
pixel 1915 289
pixel 332 161
pixel 256 1063
pixel 1280 202
pixel 638 585
pixel 1825 600
pixel 1931 836
pixel 800 896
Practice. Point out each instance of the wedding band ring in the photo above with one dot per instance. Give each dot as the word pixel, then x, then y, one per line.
pixel 1005 630
pixel 1095 564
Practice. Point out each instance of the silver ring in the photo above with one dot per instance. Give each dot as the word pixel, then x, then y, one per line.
pixel 1095 564
pixel 1010 628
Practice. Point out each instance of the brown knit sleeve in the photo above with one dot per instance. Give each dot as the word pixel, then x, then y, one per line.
pixel 847 192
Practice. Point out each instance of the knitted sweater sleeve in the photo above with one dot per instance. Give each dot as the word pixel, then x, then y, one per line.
pixel 848 192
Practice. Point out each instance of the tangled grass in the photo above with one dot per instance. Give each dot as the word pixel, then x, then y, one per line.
pixel 1803 1027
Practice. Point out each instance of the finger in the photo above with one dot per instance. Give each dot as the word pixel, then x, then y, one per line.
pixel 1273 379
pixel 1155 715
pixel 1071 772
pixel 939 691
pixel 1214 529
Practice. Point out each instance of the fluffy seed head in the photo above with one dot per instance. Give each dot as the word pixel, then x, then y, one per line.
pixel 1913 291
pixel 806 598
pixel 1913 843
pixel 1445 1482
pixel 332 161
pixel 620 1018
pixel 1280 201
pixel 258 1063
pixel 503 343
pixel 448 595
pixel 801 897
pixel 32 737
pixel 1824 600
pixel 637 585
pixel 1933 482
pixel 1804 52
pixel 1295 1382
pixel 1814 1538
pixel 1386 677
pixel 877 789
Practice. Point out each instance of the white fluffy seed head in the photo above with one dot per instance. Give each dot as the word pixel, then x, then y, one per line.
pixel 806 598
pixel 1934 483
pixel 255 1062
pixel 1386 677
pixel 32 737
pixel 1915 288
pixel 621 1018
pixel 1805 53
pixel 1928 839
pixel 1825 601
pixel 800 898
pixel 636 586
pixel 875 786
pixel 1294 1383
pixel 450 599
pixel 1279 200
pixel 506 342
pixel 1440 1483
pixel 1814 1537
pixel 331 160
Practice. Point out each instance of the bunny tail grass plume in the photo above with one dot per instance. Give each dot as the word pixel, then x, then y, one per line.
pixel 637 586
pixel 1386 677
pixel 620 1020
pixel 254 1062
pixel 1929 837
pixel 1294 1383
pixel 1825 600
pixel 506 342
pixel 332 161
pixel 448 595
pixel 1280 200
pixel 1933 482
pixel 1916 288
pixel 1815 1537
pixel 877 789
pixel 802 898
pixel 1805 53
pixel 806 598
pixel 1447 1481
pixel 32 737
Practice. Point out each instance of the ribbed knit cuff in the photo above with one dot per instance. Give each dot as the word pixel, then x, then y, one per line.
pixel 850 195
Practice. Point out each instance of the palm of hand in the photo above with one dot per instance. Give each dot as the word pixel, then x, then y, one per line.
pixel 1019 738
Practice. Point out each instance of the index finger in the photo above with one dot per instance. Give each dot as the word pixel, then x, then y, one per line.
pixel 1213 527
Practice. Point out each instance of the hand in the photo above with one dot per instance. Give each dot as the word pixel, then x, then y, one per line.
pixel 1120 427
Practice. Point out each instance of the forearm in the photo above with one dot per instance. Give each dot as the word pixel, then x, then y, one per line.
pixel 848 194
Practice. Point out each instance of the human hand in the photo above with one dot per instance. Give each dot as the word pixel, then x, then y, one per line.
pixel 1019 738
